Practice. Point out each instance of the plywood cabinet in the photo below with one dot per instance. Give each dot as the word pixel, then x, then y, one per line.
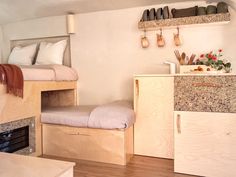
pixel 108 146
pixel 205 143
pixel 154 107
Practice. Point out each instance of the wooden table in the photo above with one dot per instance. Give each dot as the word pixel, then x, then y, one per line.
pixel 12 165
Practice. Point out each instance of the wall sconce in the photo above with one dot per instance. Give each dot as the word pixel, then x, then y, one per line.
pixel 70 23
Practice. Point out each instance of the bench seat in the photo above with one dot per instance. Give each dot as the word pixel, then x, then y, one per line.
pixel 101 134
pixel 115 115
pixel 76 116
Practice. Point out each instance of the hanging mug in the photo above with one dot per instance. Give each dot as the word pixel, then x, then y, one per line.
pixel 144 41
pixel 160 39
pixel 177 40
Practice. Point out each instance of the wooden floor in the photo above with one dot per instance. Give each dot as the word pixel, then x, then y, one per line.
pixel 138 167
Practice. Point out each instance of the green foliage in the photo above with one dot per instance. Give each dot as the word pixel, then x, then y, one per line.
pixel 214 60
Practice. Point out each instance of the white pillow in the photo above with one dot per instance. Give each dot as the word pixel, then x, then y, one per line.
pixel 51 53
pixel 23 55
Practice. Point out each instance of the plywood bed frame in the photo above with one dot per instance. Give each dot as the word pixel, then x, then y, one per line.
pixel 109 146
pixel 37 93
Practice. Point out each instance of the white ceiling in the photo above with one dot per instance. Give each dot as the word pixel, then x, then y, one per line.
pixel 17 10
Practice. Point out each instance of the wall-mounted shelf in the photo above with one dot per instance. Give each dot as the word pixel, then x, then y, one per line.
pixel 173 22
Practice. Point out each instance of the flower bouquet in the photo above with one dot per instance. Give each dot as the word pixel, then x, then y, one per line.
pixel 214 62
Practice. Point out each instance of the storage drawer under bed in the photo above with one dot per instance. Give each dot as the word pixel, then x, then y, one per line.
pixel 109 146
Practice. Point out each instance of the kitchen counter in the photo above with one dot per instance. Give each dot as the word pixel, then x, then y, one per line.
pixel 202 92
pixel 205 93
pixel 12 165
pixel 176 75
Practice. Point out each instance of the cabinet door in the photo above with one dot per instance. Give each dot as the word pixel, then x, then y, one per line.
pixel 205 144
pixel 154 106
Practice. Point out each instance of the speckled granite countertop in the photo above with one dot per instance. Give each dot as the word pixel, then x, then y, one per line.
pixel 178 75
pixel 215 93
pixel 22 123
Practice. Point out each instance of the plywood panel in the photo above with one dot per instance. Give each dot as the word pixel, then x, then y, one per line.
pixel 14 108
pixel 109 146
pixel 205 144
pixel 12 165
pixel 68 173
pixel 129 144
pixel 154 107
pixel 58 98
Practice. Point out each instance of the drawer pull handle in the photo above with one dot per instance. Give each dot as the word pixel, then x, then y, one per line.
pixel 228 133
pixel 78 134
pixel 137 87
pixel 178 122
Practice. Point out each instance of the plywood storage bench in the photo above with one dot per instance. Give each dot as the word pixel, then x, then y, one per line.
pixel 82 132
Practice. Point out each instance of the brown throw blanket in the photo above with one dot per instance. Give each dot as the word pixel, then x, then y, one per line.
pixel 12 77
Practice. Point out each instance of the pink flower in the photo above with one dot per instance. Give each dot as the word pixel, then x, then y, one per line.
pixel 202 55
pixel 220 50
pixel 214 58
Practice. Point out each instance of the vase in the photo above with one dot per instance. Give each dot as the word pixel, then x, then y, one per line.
pixel 228 69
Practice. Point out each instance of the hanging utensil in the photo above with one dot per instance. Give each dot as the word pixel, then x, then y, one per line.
pixel 190 62
pixel 187 60
pixel 177 38
pixel 177 54
pixel 160 39
pixel 182 60
pixel 144 41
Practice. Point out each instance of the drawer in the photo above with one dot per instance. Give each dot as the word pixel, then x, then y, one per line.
pixel 84 143
pixel 205 143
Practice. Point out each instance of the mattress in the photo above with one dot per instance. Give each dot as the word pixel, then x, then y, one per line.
pixel 77 116
pixel 48 73
pixel 115 115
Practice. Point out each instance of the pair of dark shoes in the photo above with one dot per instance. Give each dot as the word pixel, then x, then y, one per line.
pixel 221 7
pixel 186 12
pixel 152 14
pixel 163 13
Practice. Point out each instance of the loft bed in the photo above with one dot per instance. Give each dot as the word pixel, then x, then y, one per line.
pixel 89 142
pixel 38 93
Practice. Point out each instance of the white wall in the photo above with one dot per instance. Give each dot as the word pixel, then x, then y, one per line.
pixel 1 43
pixel 106 48
pixel 43 27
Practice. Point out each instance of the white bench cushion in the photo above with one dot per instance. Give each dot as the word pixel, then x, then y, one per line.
pixel 115 115
pixel 76 116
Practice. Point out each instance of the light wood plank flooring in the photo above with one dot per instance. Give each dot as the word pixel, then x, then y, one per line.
pixel 138 167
